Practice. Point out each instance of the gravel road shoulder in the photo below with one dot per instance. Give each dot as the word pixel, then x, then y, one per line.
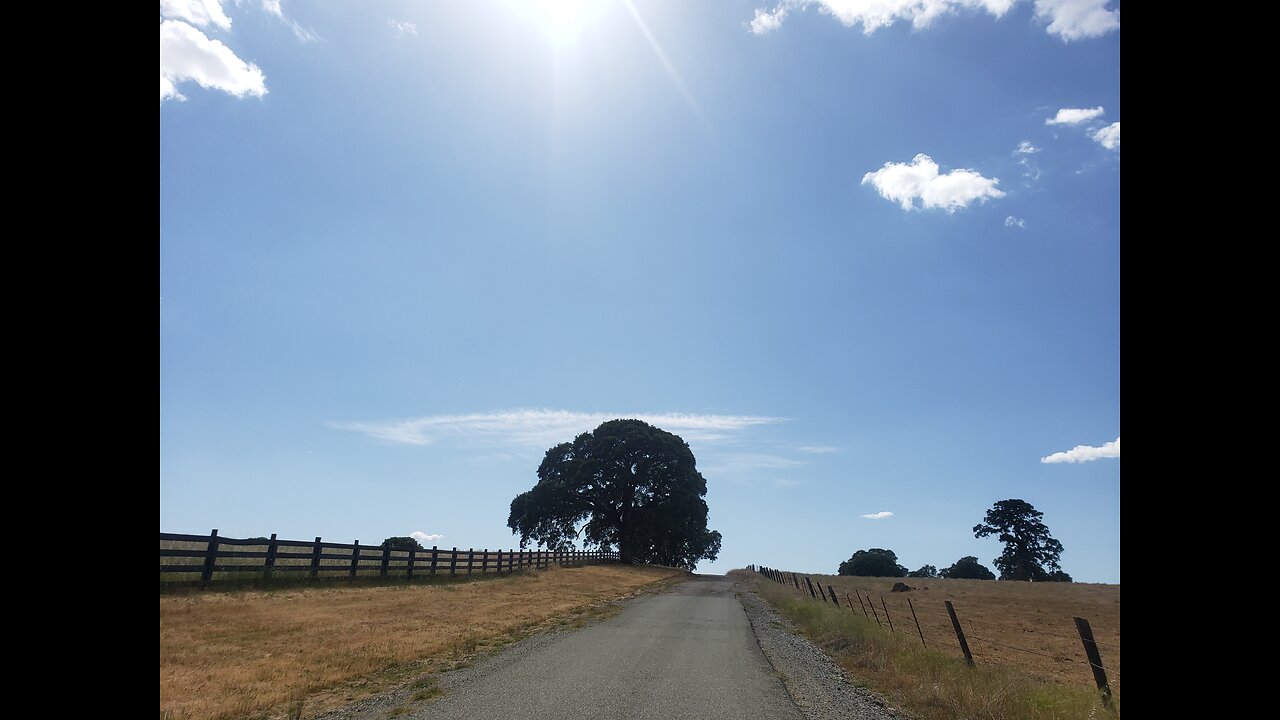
pixel 819 687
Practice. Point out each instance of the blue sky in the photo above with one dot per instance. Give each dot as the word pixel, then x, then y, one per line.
pixel 863 257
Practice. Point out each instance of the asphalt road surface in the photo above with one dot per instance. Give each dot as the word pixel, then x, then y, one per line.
pixel 687 653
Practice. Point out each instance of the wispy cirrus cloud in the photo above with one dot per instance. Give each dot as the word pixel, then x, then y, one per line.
pixel 1075 116
pixel 402 27
pixel 878 515
pixel 543 427
pixel 921 180
pixel 303 34
pixel 1012 221
pixel 818 449
pixel 1085 453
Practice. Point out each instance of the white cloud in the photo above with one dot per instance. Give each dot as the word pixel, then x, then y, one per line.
pixel 878 515
pixel 1068 19
pixel 544 428
pixel 818 449
pixel 425 538
pixel 766 21
pixel 272 7
pixel 1075 116
pixel 1078 19
pixel 1109 136
pixel 188 54
pixel 402 27
pixel 904 183
pixel 196 12
pixel 1026 148
pixel 1085 453
pixel 1017 222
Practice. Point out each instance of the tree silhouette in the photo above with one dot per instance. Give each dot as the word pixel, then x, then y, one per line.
pixel 402 543
pixel 1030 552
pixel 928 571
pixel 876 562
pixel 627 484
pixel 968 568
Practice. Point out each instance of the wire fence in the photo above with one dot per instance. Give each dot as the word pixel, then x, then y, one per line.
pixel 952 629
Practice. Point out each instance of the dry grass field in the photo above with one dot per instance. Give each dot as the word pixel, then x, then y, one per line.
pixel 997 617
pixel 268 653
pixel 1030 663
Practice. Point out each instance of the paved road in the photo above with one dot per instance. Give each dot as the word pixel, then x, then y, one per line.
pixel 687 653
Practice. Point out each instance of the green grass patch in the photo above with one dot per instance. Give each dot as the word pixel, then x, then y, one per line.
pixel 927 683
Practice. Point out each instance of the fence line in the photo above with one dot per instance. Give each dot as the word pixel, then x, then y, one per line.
pixel 210 558
pixel 951 622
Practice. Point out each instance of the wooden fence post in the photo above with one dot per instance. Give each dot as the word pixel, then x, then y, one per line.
pixel 210 557
pixel 413 554
pixel 810 584
pixel 864 607
pixel 795 580
pixel 355 558
pixel 886 613
pixel 386 560
pixel 913 617
pixel 484 562
pixel 846 599
pixel 471 559
pixel 270 565
pixel 315 559
pixel 834 599
pixel 955 623
pixel 453 562
pixel 1095 659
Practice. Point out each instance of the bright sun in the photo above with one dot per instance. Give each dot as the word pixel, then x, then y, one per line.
pixel 562 21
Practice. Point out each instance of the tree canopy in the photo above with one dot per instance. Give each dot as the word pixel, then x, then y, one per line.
pixel 1030 552
pixel 876 562
pixel 928 571
pixel 402 543
pixel 968 568
pixel 627 484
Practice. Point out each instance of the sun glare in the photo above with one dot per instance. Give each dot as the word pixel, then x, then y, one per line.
pixel 561 21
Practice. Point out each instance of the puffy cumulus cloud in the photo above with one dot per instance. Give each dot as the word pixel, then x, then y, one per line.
pixel 766 21
pixel 920 180
pixel 1078 19
pixel 187 54
pixel 425 538
pixel 1026 148
pixel 1109 136
pixel 878 515
pixel 1017 222
pixel 1075 116
pixel 1068 19
pixel 1084 453
pixel 196 12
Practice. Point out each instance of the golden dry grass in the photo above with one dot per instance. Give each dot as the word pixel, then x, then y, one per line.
pixel 998 616
pixel 252 654
pixel 933 683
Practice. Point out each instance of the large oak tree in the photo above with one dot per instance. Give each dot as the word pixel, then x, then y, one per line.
pixel 1030 552
pixel 628 485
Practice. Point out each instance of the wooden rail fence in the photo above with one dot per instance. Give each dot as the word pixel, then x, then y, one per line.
pixel 209 558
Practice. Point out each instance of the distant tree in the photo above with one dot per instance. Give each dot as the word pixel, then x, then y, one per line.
pixel 876 562
pixel 1058 576
pixel 928 571
pixel 402 543
pixel 968 568
pixel 627 484
pixel 1030 552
